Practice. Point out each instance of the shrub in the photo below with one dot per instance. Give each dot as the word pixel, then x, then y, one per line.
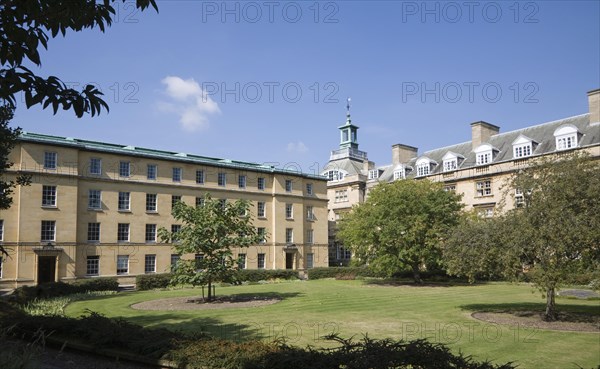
pixel 247 275
pixel 57 289
pixel 341 273
pixel 152 281
pixel 97 284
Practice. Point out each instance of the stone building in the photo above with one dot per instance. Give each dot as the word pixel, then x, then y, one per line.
pixel 93 209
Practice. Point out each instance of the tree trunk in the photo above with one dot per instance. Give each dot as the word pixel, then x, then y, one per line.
pixel 416 273
pixel 209 298
pixel 550 314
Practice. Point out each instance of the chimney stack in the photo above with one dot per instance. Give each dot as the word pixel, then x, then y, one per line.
pixel 481 132
pixel 594 103
pixel 402 153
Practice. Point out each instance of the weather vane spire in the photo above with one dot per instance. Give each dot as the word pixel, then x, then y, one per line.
pixel 348 106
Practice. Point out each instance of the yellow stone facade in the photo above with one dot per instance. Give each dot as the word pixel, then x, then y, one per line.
pixel 69 255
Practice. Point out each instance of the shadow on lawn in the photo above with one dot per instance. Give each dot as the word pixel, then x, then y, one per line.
pixel 525 308
pixel 213 327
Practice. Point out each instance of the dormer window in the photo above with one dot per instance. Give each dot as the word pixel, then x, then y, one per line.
pixel 334 175
pixel 566 137
pixel 451 161
pixel 485 154
pixel 523 147
pixel 374 173
pixel 399 173
pixel 425 166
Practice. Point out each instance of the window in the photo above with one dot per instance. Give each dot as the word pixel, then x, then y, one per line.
pixel 123 232
pixel 95 166
pixel 484 158
pixel 151 202
pixel 310 260
pixel 124 203
pixel 1 230
pixel 124 169
pixel 152 171
pixel 260 210
pixel 222 179
pixel 150 263
pixel 174 200
pixel 177 174
pixel 122 264
pixel 199 260
pixel 94 199
pixel 261 261
pixel 484 188
pixel 175 228
pixel 262 233
pixel 341 196
pixel 200 177
pixel 48 231
pixel 289 211
pixel 50 160
pixel 261 183
pixel 49 196
pixel 450 187
pixel 423 169
pixel 399 174
pixel 174 260
pixel 566 137
pixel 92 266
pixel 199 201
pixel 242 261
pixel 310 236
pixel 93 232
pixel 373 173
pixel 223 203
pixel 150 233
pixel 288 185
pixel 310 215
pixel 485 212
pixel 242 181
pixel 450 165
pixel 334 175
pixel 289 235
pixel 519 198
pixel 522 151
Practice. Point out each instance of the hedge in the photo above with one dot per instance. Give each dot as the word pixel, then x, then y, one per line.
pixel 341 273
pixel 152 281
pixel 255 275
pixel 56 289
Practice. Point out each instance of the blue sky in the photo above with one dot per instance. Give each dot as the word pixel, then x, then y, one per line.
pixel 268 81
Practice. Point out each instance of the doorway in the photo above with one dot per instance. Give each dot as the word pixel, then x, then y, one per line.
pixel 289 260
pixel 46 269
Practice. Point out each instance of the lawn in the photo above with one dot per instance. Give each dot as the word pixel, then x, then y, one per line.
pixel 311 309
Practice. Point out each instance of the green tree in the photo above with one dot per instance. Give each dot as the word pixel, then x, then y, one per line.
pixel 212 230
pixel 401 225
pixel 25 25
pixel 553 236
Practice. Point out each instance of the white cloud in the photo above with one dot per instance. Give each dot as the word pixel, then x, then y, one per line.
pixel 189 102
pixel 297 147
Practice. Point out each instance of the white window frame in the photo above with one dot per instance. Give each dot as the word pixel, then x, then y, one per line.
pixel 399 174
pixel 309 188
pixel 93 230
pixel 341 196
pixel 242 260
pixel 289 186
pixel 151 203
pixel 261 183
pixel 151 172
pixel 174 200
pixel 92 265
pixel 262 231
pixel 177 175
pixel 261 261
pixel 483 188
pixel 124 169
pixel 149 263
pixel 50 160
pixel 200 178
pixel 289 235
pixel 1 230
pixel 124 202
pixel 95 166
pixel 242 179
pixel 150 230
pixel 48 227
pixel 261 209
pixel 567 137
pixel 334 175
pixel 222 179
pixel 450 164
pixel 310 236
pixel 49 196
pixel 289 211
pixel 373 173
pixel 94 202
pixel 199 201
pixel 424 166
pixel 310 212
pixel 123 229
pixel 310 260
pixel 122 264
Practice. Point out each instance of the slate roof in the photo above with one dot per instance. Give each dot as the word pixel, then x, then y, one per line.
pixel 156 154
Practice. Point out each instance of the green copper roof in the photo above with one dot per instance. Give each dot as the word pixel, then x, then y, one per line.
pixel 157 154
